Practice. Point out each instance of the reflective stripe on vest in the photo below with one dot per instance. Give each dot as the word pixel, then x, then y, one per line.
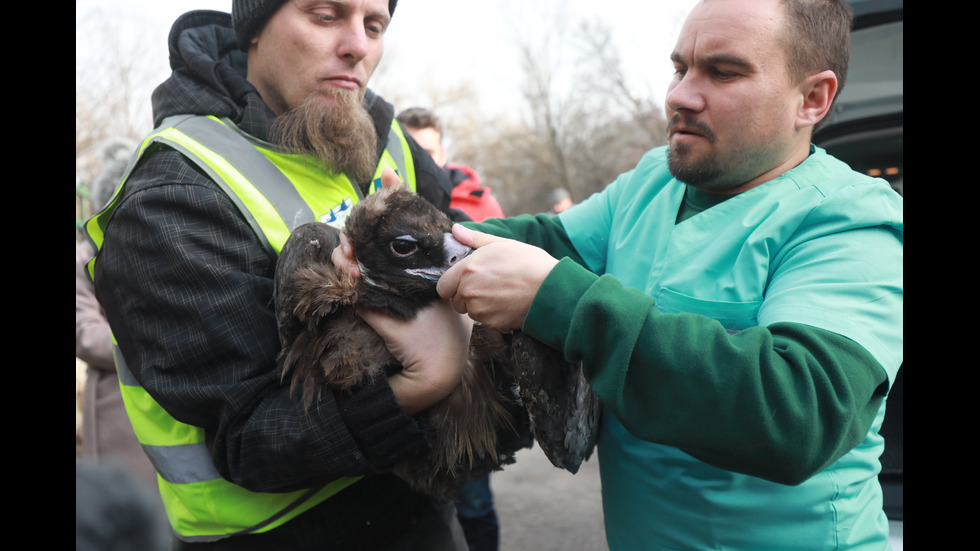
pixel 267 199
pixel 200 504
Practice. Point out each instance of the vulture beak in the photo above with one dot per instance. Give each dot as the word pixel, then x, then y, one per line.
pixel 453 252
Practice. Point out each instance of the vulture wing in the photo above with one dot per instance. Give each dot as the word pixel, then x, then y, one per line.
pixel 563 410
pixel 324 342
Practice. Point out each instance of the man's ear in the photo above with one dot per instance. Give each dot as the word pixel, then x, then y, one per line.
pixel 818 92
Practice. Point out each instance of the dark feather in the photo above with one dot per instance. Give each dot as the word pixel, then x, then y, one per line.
pixel 324 340
pixel 564 412
pixel 403 244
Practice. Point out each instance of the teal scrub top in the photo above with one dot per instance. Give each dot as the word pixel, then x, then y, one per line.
pixel 820 245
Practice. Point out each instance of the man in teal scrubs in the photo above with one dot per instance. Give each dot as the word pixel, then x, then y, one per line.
pixel 735 300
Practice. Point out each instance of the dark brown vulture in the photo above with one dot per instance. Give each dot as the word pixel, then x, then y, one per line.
pixel 403 244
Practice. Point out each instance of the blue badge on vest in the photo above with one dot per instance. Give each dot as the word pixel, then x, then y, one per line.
pixel 338 214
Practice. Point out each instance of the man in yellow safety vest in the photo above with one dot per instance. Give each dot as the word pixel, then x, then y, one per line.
pixel 265 123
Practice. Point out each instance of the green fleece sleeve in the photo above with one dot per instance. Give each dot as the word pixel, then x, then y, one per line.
pixel 780 402
pixel 541 230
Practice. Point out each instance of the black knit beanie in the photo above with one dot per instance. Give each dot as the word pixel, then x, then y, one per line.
pixel 248 16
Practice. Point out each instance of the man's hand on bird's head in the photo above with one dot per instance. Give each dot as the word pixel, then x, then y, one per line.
pixel 496 283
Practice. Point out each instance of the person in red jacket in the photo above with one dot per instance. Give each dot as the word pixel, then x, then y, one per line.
pixel 469 194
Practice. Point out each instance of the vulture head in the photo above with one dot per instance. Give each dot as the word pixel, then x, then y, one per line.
pixel 402 244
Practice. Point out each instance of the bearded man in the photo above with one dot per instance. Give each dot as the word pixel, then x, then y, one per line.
pixel 736 299
pixel 265 123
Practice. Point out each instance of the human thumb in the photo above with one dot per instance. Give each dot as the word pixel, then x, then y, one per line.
pixel 473 238
pixel 389 178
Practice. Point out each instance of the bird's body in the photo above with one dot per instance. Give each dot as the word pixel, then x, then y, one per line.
pixel 402 245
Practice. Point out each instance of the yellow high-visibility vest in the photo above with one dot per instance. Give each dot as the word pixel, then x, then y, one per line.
pixel 276 193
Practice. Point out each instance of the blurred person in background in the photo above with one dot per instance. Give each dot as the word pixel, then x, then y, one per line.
pixel 469 194
pixel 560 200
pixel 107 436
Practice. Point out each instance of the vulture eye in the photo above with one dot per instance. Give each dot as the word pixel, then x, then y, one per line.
pixel 403 246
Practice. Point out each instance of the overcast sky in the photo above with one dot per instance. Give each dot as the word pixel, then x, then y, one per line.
pixel 446 40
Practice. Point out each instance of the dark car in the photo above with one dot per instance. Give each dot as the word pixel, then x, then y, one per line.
pixel 865 127
pixel 865 130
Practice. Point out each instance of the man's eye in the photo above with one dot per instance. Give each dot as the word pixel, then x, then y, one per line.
pixel 724 75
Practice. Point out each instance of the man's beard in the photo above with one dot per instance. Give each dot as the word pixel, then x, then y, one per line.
pixel 339 134
pixel 698 172
pixel 727 165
